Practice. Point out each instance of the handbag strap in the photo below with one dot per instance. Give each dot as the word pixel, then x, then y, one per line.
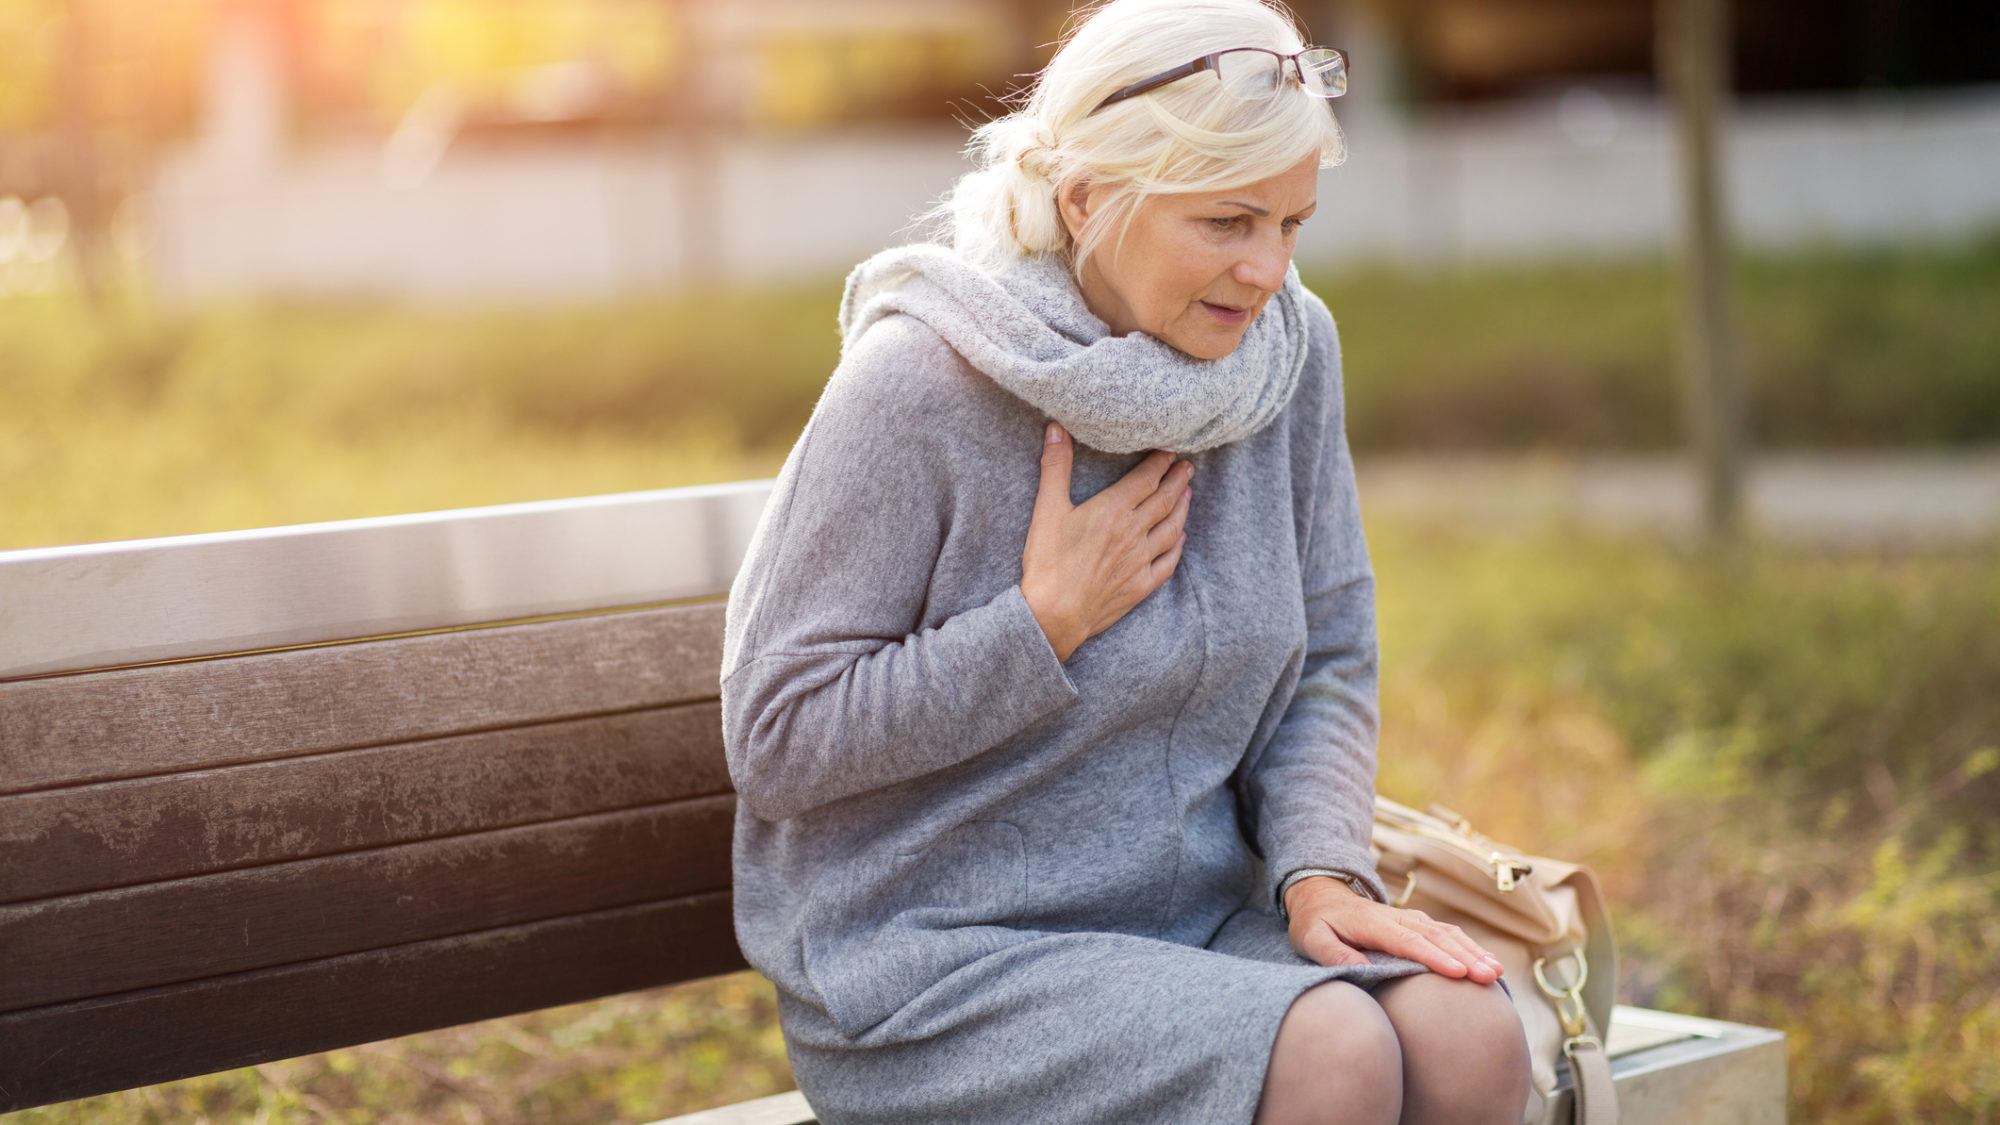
pixel 1596 1096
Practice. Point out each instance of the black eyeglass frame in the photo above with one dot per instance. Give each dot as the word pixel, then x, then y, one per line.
pixel 1208 62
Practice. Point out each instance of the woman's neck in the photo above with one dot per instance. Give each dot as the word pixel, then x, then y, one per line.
pixel 1103 301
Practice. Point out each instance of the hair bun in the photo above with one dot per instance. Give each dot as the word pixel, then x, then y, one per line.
pixel 1036 154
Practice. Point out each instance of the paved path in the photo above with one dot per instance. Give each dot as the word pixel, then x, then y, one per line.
pixel 1872 499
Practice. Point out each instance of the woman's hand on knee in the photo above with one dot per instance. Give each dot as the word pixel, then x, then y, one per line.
pixel 1331 925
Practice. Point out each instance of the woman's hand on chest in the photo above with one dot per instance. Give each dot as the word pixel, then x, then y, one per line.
pixel 1086 565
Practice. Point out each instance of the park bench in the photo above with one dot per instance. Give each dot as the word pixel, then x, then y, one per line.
pixel 273 792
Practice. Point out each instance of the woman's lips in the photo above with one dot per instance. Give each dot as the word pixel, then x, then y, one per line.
pixel 1225 314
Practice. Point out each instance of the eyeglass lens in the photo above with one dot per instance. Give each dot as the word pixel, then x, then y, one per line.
pixel 1256 73
pixel 1324 71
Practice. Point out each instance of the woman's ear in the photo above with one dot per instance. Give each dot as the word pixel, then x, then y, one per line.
pixel 1073 203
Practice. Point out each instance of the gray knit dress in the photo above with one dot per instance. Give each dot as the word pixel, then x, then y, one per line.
pixel 991 885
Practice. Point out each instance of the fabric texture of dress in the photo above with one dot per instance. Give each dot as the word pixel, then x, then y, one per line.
pixel 994 886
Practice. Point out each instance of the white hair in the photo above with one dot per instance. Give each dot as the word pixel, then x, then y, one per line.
pixel 1185 136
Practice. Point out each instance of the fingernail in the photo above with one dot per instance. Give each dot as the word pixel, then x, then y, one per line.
pixel 1451 963
pixel 1054 433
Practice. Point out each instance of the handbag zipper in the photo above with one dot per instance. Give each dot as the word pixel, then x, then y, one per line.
pixel 1508 870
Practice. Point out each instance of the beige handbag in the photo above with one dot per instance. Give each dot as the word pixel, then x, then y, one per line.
pixel 1543 919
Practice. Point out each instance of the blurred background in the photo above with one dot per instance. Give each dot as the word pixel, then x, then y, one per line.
pixel 275 261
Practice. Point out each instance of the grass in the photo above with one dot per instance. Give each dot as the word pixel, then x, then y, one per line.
pixel 153 421
pixel 1782 764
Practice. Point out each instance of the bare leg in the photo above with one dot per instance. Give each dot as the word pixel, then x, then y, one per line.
pixel 1335 1062
pixel 1465 1054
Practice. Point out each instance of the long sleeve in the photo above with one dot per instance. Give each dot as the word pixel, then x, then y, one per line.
pixel 832 685
pixel 1312 790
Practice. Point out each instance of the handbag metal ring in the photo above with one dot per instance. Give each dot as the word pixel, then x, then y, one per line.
pixel 1573 1018
pixel 1582 974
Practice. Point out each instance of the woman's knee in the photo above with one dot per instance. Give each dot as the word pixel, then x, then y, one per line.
pixel 1344 1022
pixel 1336 1058
pixel 1431 1007
pixel 1465 1053
pixel 1496 1033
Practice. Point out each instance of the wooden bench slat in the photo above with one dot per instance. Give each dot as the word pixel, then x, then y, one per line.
pixel 74 1050
pixel 113 941
pixel 144 722
pixel 85 838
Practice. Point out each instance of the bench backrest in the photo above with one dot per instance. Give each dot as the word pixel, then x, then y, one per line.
pixel 254 849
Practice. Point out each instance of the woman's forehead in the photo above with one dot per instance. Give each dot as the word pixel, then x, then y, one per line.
pixel 1286 193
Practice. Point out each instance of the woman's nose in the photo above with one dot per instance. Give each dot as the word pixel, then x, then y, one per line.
pixel 1264 266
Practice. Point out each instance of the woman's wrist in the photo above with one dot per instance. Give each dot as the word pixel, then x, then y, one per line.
pixel 1058 631
pixel 1337 884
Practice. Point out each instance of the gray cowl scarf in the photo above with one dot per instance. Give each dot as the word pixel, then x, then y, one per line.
pixel 1028 329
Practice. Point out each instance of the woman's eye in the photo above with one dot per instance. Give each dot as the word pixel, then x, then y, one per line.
pixel 1228 222
pixel 1292 225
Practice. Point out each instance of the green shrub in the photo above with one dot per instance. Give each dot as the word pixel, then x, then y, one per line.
pixel 1783 764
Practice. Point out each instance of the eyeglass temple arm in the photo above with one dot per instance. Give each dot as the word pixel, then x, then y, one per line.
pixel 1206 62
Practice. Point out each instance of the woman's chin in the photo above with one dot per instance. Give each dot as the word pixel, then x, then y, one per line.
pixel 1207 345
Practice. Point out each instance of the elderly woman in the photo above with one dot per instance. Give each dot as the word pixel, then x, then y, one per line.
pixel 1056 782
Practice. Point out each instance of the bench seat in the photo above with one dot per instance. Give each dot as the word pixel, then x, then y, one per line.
pixel 273 792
